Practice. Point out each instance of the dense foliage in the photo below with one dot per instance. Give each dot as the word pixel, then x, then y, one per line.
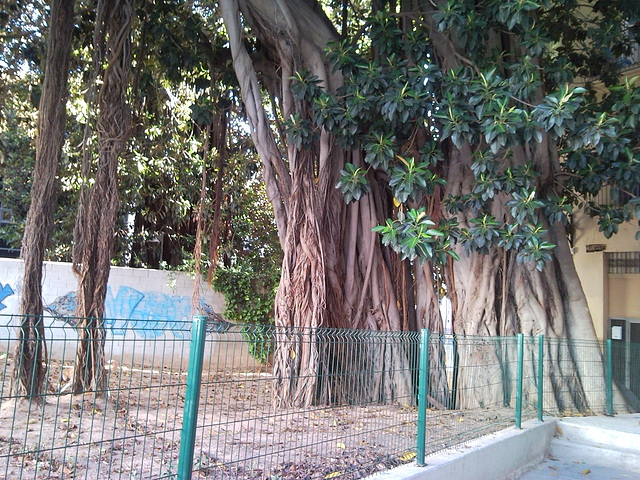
pixel 453 129
pixel 403 109
pixel 181 80
pixel 508 87
pixel 181 88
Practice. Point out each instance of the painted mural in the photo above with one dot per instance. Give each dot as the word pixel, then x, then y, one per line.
pixel 5 292
pixel 147 313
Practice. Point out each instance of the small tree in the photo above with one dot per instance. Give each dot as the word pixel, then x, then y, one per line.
pixel 31 354
pixel 95 235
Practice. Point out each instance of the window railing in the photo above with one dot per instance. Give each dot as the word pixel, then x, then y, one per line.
pixel 632 60
pixel 624 263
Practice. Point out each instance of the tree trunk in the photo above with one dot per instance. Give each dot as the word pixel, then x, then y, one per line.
pixel 220 120
pixel 31 355
pixel 196 300
pixel 96 240
pixel 335 271
pixel 498 297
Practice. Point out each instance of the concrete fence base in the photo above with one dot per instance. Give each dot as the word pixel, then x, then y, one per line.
pixel 498 456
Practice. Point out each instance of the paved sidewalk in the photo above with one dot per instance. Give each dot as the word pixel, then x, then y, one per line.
pixel 554 468
pixel 602 448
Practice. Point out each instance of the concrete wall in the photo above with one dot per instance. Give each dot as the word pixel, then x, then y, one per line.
pixel 143 308
pixel 498 456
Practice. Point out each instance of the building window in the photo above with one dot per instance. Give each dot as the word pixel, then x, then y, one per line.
pixel 624 263
pixel 5 215
pixel 615 196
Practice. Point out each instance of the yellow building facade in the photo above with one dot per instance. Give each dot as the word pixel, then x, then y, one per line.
pixel 609 270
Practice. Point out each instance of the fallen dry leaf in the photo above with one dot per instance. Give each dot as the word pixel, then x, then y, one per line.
pixel 333 475
pixel 408 456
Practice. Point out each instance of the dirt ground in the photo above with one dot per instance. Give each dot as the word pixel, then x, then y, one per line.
pixel 135 432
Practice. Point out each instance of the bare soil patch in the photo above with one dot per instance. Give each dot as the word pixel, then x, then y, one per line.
pixel 135 432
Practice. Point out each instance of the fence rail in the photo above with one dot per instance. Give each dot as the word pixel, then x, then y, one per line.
pixel 327 404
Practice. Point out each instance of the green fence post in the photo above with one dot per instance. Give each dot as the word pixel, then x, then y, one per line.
pixel 192 398
pixel 519 381
pixel 454 380
pixel 540 376
pixel 423 389
pixel 609 379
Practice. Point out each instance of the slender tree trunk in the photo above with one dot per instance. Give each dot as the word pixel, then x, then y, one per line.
pixel 97 238
pixel 196 302
pixel 220 141
pixel 30 354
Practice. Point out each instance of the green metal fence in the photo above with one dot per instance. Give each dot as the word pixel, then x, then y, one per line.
pixel 185 400
pixel 130 430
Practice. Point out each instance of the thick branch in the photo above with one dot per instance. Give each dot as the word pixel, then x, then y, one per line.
pixel 278 188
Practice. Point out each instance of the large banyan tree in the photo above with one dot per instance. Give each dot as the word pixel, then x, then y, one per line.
pixel 439 147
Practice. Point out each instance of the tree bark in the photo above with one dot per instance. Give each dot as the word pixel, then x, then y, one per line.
pixel 336 272
pixel 31 354
pixel 96 242
pixel 496 296
pixel 220 141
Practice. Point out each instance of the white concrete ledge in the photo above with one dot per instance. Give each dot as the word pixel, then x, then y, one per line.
pixel 499 456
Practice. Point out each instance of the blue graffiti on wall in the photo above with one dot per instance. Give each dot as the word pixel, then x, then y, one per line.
pixel 148 314
pixel 5 291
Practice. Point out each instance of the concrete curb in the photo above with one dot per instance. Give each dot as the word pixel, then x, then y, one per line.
pixel 499 456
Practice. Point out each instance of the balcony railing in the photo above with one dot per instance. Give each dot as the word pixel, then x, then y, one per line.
pixel 632 60
pixel 614 197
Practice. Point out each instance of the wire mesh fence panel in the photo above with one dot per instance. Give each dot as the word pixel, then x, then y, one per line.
pixel 574 377
pixel 626 374
pixel 280 403
pixel 348 409
pixel 471 388
pixel 130 429
pixel 533 360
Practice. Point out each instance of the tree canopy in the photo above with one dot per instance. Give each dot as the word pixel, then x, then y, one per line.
pixel 410 150
pixel 180 81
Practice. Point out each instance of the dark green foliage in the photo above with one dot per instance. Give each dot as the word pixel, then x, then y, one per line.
pixel 17 158
pixel 499 103
pixel 352 183
pixel 413 236
pixel 409 180
pixel 250 256
pixel 299 131
pixel 249 295
pixel 499 99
